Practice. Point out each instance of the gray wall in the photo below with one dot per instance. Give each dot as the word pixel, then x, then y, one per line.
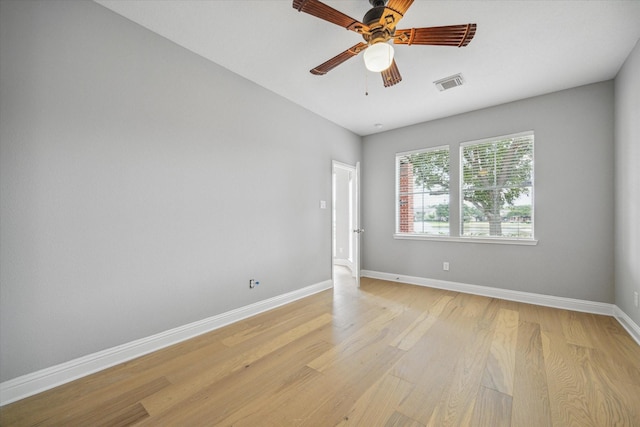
pixel 573 195
pixel 627 179
pixel 142 186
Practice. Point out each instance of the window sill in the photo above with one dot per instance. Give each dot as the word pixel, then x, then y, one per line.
pixel 489 240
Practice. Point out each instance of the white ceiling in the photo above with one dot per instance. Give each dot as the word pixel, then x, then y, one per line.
pixel 521 49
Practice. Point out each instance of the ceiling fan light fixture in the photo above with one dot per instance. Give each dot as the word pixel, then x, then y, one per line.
pixel 378 57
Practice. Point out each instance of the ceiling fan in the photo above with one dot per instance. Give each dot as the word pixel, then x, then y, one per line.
pixel 378 27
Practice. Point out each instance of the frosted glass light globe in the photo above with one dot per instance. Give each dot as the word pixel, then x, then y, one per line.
pixel 378 57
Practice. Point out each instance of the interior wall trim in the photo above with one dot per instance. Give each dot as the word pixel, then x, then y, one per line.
pixel 48 378
pixel 585 306
pixel 627 323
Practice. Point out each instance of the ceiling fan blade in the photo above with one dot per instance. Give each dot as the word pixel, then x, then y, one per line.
pixel 325 67
pixel 400 6
pixel 451 35
pixel 391 75
pixel 393 12
pixel 322 11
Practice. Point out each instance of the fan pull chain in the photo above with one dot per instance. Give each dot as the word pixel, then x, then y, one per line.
pixel 366 83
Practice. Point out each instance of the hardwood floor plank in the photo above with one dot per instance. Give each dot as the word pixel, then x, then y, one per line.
pixel 457 403
pixel 419 405
pixel 183 390
pixel 528 313
pixel 613 402
pixel 400 420
pixel 475 306
pixel 95 405
pixel 287 405
pixel 530 394
pixel 567 389
pixel 236 395
pixel 425 360
pixel 492 409
pixel 269 322
pixel 421 325
pixel 500 367
pixel 430 363
pixel 332 392
pixel 355 342
pixel 122 417
pixel 378 403
pixel 122 407
pixel 574 330
pixel 551 320
pixel 623 353
pixel 353 377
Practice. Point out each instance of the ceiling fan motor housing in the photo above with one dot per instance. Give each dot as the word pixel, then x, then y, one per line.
pixel 378 32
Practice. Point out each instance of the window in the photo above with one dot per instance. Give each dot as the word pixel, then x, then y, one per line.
pixel 493 192
pixel 422 204
pixel 497 187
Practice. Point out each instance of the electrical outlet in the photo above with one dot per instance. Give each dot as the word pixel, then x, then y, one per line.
pixel 635 299
pixel 445 266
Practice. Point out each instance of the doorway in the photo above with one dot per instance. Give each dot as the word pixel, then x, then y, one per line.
pixel 345 223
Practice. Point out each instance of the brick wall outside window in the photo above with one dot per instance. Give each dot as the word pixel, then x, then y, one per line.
pixel 406 197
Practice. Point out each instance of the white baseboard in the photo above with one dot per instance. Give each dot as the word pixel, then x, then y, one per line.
pixel 45 379
pixel 627 323
pixel 519 296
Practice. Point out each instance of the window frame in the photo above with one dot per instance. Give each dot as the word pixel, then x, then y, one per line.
pixel 456 223
pixel 461 183
pixel 398 195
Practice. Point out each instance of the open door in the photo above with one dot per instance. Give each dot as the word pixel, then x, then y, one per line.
pixel 346 218
pixel 357 229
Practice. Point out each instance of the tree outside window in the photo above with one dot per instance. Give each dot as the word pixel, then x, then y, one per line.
pixel 497 180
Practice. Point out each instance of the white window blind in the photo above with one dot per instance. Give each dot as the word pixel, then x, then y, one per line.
pixel 422 189
pixel 496 180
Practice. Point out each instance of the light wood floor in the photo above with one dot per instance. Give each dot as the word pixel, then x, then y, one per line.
pixel 384 355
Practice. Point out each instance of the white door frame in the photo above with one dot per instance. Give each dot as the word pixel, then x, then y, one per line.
pixel 354 209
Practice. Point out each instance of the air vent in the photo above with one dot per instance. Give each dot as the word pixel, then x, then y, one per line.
pixel 449 82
